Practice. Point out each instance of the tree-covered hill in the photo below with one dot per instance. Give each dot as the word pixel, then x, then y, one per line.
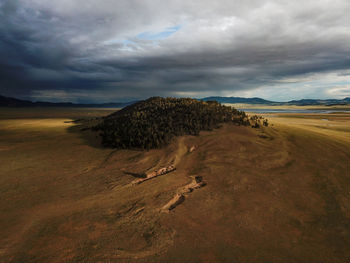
pixel 152 123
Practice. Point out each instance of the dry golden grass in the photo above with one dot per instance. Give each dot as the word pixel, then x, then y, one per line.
pixel 278 194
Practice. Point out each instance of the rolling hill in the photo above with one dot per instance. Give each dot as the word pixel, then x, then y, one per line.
pixel 152 123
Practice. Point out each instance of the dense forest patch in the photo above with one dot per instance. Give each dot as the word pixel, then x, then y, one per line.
pixel 152 123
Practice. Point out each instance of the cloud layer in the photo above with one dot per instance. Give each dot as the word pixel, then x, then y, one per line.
pixel 97 51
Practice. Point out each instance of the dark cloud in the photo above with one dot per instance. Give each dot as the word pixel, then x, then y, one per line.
pixel 97 51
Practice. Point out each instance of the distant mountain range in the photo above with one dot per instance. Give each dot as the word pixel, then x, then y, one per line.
pixel 12 102
pixel 303 102
pixel 239 100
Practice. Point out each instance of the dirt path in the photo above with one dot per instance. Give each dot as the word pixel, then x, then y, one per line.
pixel 181 151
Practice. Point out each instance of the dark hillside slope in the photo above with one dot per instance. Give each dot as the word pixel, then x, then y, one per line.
pixel 12 102
pixel 154 122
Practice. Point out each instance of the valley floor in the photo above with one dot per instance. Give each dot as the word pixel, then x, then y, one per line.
pixel 275 194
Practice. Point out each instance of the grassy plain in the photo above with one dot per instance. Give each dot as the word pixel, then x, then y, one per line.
pixel 275 194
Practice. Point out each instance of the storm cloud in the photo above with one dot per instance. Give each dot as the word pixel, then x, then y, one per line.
pixel 98 51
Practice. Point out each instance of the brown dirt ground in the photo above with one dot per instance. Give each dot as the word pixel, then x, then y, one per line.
pixel 278 194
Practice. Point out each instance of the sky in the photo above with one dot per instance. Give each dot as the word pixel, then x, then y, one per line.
pixel 120 50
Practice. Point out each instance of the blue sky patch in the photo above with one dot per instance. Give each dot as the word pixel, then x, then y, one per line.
pixel 159 35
